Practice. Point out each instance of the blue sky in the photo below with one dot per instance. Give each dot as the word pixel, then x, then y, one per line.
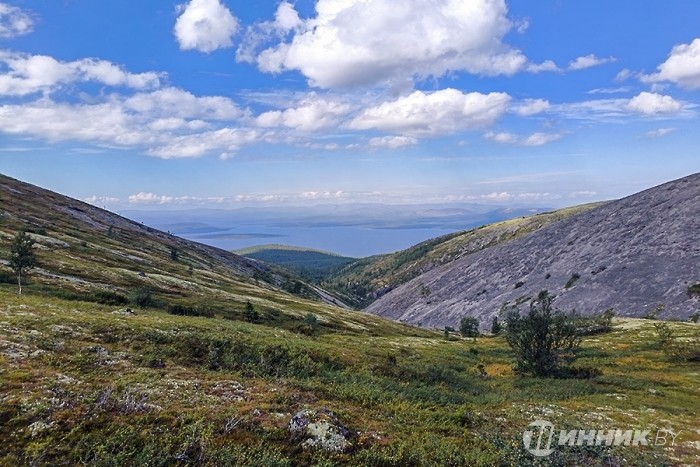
pixel 161 104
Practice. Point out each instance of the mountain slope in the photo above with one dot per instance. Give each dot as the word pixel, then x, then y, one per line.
pixel 635 255
pixel 87 253
pixel 367 279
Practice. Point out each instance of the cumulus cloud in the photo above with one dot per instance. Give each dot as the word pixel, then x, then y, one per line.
pixel 682 67
pixel 286 20
pixel 547 65
pixel 535 139
pixel 14 21
pixel 23 74
pixel 167 122
pixel 531 107
pixel 368 42
pixel 312 113
pixel 205 25
pixel 651 103
pixel 430 114
pixel 392 142
pixel 173 102
pixel 589 61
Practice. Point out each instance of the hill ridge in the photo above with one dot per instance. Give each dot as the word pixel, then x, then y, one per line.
pixel 633 255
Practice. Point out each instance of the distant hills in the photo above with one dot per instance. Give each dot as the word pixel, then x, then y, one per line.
pixel 308 262
pixel 639 255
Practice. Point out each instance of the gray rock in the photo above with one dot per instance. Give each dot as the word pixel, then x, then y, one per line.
pixel 632 255
pixel 319 429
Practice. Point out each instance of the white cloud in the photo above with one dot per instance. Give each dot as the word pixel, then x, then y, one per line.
pixel 176 103
pixel 101 200
pixel 539 139
pixel 619 110
pixel 24 74
pixel 149 198
pixel 430 114
pixel 286 17
pixel 588 61
pixel 314 195
pixel 547 65
pixel 226 141
pixel 14 21
pixel 369 42
pixel 166 123
pixel 650 103
pixel 502 137
pixel 535 139
pixel 623 75
pixel 507 196
pixel 392 142
pixel 583 194
pixel 619 90
pixel 682 67
pixel 205 25
pixel 531 107
pixel 312 113
pixel 658 133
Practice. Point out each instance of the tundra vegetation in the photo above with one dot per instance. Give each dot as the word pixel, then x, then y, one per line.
pixel 116 354
pixel 89 383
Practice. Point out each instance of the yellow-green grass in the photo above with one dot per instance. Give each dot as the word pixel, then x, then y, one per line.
pixel 83 383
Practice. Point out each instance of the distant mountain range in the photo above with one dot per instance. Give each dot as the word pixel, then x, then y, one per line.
pixel 639 255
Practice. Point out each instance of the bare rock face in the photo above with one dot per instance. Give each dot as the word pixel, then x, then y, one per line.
pixel 635 255
pixel 319 429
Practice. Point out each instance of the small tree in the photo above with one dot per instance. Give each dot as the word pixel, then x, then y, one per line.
pixel 251 315
pixel 22 257
pixel 495 326
pixel 543 338
pixel 469 327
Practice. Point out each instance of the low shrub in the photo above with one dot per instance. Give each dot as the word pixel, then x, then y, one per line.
pixel 183 310
pixel 143 298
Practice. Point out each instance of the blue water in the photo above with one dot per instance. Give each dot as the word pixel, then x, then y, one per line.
pixel 348 241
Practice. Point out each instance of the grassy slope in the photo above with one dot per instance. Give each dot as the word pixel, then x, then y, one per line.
pixel 81 384
pixel 83 250
pixel 309 263
pixel 365 280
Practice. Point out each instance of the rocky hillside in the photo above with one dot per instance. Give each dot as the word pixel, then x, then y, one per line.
pixel 639 255
pixel 87 252
pixel 367 279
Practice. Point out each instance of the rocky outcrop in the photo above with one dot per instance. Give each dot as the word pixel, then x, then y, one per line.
pixel 319 429
pixel 635 255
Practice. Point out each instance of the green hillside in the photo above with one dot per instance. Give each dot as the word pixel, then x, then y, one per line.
pixel 365 280
pixel 311 264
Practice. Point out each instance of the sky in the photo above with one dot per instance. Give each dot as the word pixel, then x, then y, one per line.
pixel 222 104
